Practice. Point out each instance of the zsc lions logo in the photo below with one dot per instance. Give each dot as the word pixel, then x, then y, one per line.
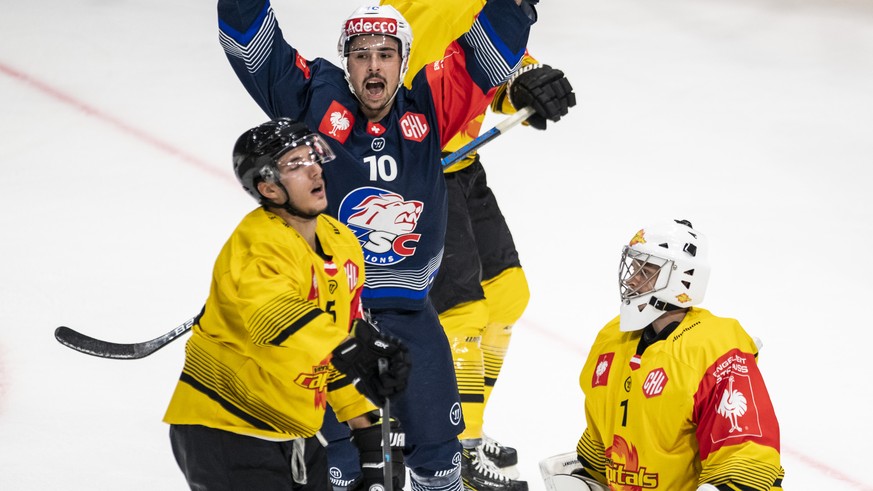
pixel 383 222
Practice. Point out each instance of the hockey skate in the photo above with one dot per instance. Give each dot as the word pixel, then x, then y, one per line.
pixel 479 474
pixel 500 455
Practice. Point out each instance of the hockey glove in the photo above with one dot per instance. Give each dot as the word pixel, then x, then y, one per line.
pixel 369 444
pixel 545 89
pixel 358 358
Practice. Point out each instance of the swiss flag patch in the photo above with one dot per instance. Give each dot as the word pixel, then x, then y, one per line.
pixel 337 122
pixel 375 129
pixel 601 369
pixel 414 126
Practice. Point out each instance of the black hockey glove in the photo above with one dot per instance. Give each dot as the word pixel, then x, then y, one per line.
pixel 358 358
pixel 545 89
pixel 369 444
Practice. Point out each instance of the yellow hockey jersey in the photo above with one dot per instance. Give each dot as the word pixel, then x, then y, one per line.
pixel 435 25
pixel 692 409
pixel 258 360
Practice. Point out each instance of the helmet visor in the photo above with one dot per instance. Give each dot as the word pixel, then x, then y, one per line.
pixel 308 150
pixel 363 44
pixel 640 273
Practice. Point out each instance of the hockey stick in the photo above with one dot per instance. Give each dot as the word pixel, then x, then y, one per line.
pixel 106 349
pixel 387 473
pixel 489 135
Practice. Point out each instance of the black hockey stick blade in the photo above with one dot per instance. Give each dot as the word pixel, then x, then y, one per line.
pixel 119 351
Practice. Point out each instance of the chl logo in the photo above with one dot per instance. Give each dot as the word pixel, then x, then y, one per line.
pixel 384 223
pixel 352 274
pixel 655 382
pixel 414 126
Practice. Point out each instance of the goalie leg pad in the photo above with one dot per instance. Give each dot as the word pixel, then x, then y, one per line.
pixel 557 472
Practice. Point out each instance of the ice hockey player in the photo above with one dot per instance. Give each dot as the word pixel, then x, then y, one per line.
pixel 674 398
pixel 285 292
pixel 480 290
pixel 387 182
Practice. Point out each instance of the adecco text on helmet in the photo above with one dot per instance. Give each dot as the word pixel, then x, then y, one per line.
pixel 371 26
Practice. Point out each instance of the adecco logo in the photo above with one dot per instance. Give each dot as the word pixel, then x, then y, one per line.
pixel 374 25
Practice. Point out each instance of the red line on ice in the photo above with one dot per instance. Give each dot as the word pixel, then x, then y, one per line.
pixel 68 100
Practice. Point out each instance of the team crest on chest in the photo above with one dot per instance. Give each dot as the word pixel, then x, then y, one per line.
pixel 337 122
pixel 625 468
pixel 384 223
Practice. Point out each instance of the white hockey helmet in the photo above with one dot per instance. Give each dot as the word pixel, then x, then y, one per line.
pixel 663 268
pixel 376 20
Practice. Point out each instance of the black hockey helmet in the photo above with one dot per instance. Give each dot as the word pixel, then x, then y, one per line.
pixel 257 150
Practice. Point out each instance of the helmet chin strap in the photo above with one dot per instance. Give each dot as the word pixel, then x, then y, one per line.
pixel 662 305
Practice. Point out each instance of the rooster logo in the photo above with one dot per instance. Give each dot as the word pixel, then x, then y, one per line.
pixel 339 122
pixel 600 370
pixel 733 405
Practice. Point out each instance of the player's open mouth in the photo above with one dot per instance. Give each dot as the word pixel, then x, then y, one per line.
pixel 375 87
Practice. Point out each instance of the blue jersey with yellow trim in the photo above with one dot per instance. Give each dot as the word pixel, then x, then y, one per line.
pixel 386 183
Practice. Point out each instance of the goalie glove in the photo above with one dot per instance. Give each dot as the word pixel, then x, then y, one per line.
pixel 543 88
pixel 358 358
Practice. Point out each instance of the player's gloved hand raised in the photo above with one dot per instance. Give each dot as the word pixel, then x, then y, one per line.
pixel 358 358
pixel 545 89
pixel 369 444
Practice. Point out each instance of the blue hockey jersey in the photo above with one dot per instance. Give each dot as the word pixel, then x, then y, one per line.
pixel 386 183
